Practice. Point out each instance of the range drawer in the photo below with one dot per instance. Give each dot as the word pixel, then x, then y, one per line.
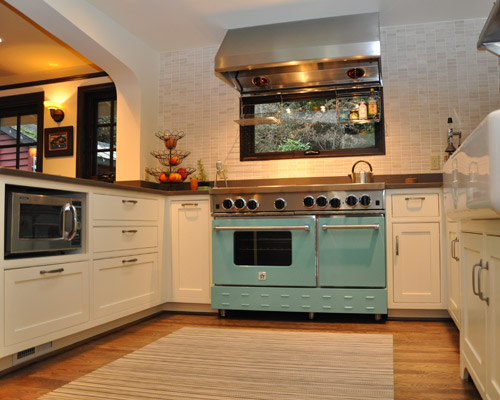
pixel 46 299
pixel 121 208
pixel 125 284
pixel 415 205
pixel 112 238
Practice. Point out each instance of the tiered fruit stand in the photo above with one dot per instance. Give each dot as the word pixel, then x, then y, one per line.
pixel 170 159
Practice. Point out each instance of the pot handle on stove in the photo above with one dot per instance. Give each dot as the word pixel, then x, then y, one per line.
pixel 362 161
pixel 263 228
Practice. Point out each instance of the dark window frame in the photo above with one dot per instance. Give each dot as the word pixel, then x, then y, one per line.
pixel 24 104
pixel 247 133
pixel 88 97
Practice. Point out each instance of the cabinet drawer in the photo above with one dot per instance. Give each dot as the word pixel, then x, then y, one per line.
pixel 42 300
pixel 112 238
pixel 107 207
pixel 125 283
pixel 415 205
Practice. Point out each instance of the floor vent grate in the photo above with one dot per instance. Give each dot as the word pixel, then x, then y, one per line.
pixel 32 352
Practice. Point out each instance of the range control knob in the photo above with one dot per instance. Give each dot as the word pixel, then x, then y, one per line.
pixel 227 204
pixel 335 202
pixel 365 200
pixel 240 203
pixel 252 204
pixel 279 204
pixel 308 201
pixel 322 201
pixel 351 200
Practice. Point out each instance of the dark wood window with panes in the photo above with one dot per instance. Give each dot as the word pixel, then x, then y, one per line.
pixel 21 131
pixel 96 150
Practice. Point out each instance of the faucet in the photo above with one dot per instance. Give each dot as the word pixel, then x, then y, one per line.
pixel 451 148
pixel 219 172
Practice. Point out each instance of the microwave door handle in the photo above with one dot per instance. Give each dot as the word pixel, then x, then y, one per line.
pixel 70 235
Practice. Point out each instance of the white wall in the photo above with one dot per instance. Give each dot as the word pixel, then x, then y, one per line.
pixel 67 94
pixel 430 71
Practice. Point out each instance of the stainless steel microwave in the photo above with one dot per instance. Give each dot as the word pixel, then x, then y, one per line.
pixel 40 222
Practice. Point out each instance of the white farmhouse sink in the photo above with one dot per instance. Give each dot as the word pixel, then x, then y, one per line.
pixel 472 174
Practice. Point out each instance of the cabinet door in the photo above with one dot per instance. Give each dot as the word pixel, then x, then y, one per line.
pixel 190 251
pixel 453 257
pixel 473 331
pixel 493 292
pixel 416 266
pixel 43 300
pixel 125 284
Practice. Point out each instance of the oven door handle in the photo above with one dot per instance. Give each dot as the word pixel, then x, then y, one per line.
pixel 327 227
pixel 263 228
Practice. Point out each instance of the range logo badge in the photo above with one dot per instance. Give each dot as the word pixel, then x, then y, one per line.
pixel 262 276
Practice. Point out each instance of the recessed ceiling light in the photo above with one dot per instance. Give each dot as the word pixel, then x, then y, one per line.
pixel 1 40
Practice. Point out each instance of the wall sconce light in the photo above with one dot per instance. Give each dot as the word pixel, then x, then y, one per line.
pixel 55 110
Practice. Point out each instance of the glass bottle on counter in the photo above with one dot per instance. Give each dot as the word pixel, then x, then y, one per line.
pixel 362 111
pixel 372 106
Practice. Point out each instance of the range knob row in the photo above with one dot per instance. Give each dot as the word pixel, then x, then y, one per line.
pixel 351 201
pixel 240 203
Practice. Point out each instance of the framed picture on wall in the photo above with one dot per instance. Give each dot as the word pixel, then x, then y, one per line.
pixel 58 142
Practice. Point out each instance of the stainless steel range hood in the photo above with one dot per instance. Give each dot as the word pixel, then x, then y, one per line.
pixel 310 54
pixel 489 38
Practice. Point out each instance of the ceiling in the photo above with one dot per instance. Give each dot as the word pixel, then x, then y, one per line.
pixel 29 53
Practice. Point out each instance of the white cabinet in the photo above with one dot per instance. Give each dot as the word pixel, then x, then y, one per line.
pixel 45 299
pixel 453 272
pixel 415 272
pixel 191 249
pixel 125 236
pixel 480 332
pixel 113 238
pixel 416 266
pixel 124 208
pixel 493 317
pixel 122 284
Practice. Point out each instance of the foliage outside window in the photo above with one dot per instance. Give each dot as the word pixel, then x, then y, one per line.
pixel 315 124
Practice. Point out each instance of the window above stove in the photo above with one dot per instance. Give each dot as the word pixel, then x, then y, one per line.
pixel 332 123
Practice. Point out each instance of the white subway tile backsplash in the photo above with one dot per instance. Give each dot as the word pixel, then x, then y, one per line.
pixel 430 72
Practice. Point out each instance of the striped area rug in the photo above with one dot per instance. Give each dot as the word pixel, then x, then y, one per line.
pixel 212 363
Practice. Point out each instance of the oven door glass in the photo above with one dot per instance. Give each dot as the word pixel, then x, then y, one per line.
pixel 352 251
pixel 264 251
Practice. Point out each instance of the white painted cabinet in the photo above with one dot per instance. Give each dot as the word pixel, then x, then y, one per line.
pixel 125 284
pixel 453 272
pixel 416 269
pixel 126 232
pixel 415 272
pixel 191 249
pixel 480 333
pixel 45 299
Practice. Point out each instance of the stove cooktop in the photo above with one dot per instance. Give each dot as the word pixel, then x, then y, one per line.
pixel 299 199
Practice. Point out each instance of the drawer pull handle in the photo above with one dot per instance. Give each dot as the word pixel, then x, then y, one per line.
pixel 414 198
pixel 397 245
pixel 129 201
pixel 52 271
pixel 132 260
pixel 189 204
pixel 129 231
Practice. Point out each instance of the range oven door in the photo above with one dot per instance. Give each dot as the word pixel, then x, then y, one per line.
pixel 352 251
pixel 264 251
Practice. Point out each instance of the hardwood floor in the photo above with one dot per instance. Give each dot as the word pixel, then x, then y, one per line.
pixel 426 357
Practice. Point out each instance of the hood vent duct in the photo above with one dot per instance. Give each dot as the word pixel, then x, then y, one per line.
pixel 314 54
